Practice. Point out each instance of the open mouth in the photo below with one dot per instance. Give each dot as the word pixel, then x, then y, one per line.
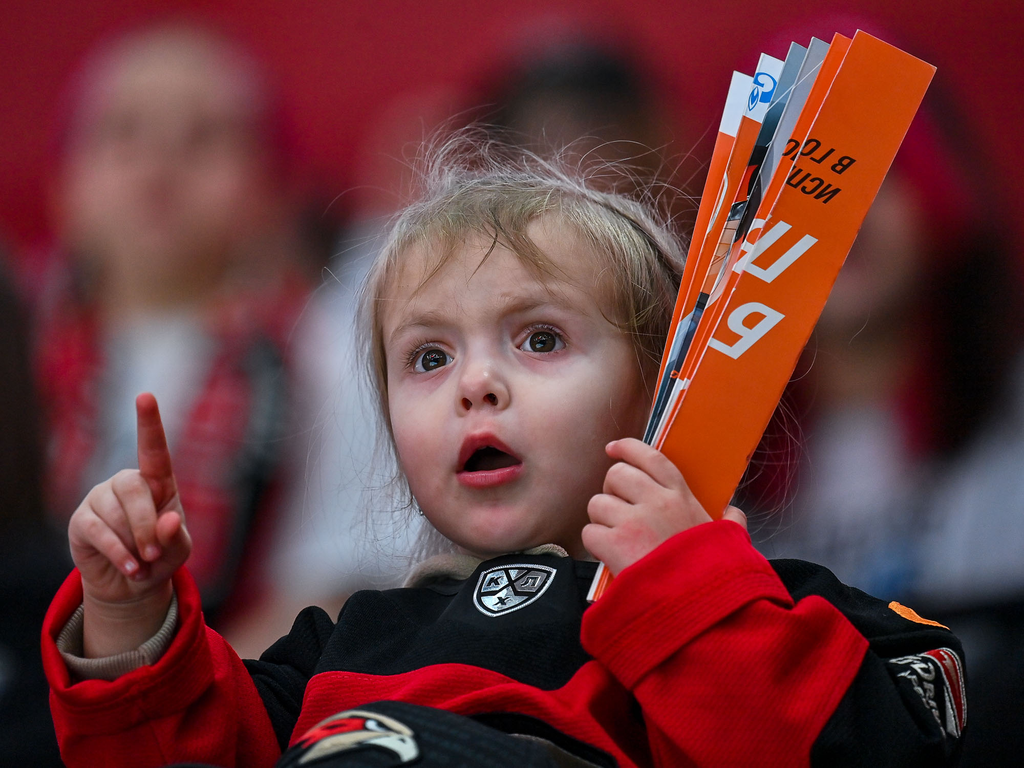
pixel 485 462
pixel 489 458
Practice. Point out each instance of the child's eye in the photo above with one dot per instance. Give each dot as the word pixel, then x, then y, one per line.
pixel 430 359
pixel 543 341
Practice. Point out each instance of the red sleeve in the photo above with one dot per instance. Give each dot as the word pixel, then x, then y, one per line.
pixel 728 670
pixel 197 703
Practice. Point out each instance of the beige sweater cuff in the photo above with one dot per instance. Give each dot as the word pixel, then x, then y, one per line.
pixel 69 643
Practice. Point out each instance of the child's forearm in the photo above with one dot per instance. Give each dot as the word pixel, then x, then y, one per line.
pixel 113 628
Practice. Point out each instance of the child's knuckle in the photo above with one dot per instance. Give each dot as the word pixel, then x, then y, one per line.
pixel 619 471
pixel 92 527
pixel 98 490
pixel 122 480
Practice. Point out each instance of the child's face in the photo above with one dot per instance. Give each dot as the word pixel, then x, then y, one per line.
pixel 504 389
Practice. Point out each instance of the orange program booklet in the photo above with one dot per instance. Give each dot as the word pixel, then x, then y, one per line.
pixel 712 407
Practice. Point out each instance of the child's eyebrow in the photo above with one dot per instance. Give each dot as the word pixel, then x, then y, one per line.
pixel 430 318
pixel 518 303
pixel 507 304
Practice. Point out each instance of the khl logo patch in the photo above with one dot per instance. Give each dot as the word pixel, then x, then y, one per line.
pixel 507 588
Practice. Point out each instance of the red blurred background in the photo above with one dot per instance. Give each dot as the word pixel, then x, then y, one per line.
pixel 344 65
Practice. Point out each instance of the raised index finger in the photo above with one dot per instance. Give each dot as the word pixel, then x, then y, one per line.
pixel 154 458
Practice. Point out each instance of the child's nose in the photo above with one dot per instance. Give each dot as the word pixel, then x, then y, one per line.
pixel 482 386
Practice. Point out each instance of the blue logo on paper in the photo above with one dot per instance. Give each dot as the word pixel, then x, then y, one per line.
pixel 764 87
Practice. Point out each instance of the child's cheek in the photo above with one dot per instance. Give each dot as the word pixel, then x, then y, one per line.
pixel 416 442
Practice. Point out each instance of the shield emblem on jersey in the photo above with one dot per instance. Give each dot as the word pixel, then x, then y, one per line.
pixel 507 588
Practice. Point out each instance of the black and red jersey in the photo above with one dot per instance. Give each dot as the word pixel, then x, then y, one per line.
pixel 702 653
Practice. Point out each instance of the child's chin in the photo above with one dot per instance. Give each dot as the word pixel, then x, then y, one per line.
pixel 487 550
pixel 493 546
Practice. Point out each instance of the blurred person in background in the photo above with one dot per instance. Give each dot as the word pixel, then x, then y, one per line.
pixel 905 420
pixel 34 558
pixel 567 93
pixel 181 272
pixel 591 99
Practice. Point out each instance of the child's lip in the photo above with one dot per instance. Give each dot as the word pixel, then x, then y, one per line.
pixel 487 478
pixel 474 443
pixel 491 477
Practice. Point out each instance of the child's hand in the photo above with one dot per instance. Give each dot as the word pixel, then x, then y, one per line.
pixel 646 501
pixel 128 536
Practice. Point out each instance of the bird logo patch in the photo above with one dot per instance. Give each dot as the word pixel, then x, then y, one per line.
pixel 358 729
pixel 507 588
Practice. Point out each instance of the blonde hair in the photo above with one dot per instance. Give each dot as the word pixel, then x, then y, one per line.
pixel 472 186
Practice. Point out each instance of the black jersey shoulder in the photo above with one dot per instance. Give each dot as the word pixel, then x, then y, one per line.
pixel 876 618
pixel 907 704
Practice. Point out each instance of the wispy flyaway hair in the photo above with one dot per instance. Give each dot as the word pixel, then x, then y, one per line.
pixel 473 186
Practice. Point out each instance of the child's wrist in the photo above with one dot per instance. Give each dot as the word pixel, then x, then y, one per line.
pixel 111 628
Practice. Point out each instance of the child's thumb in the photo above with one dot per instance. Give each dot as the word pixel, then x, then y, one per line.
pixel 736 515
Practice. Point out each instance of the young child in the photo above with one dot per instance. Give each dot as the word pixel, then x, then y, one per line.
pixel 516 319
